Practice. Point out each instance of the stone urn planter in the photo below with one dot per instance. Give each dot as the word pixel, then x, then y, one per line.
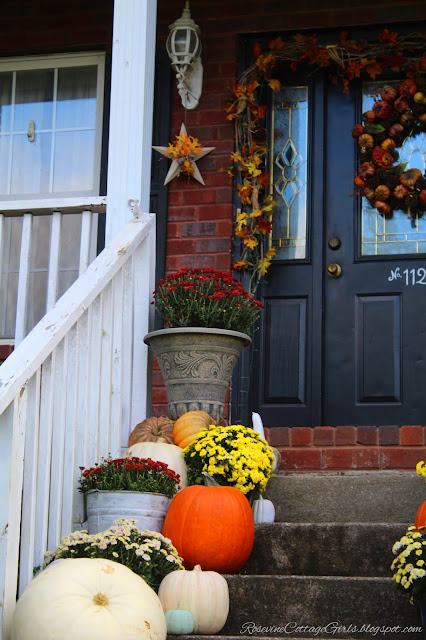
pixel 197 365
pixel 103 507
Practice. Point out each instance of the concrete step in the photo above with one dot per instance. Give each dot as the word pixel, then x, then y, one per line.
pixel 311 607
pixel 349 549
pixel 381 496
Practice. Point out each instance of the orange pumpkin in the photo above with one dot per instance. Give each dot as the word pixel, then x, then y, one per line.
pixel 153 430
pixel 420 520
pixel 188 425
pixel 211 526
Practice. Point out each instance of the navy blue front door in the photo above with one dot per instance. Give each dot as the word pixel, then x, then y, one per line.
pixel 343 334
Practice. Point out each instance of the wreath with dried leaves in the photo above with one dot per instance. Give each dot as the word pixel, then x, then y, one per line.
pixel 398 112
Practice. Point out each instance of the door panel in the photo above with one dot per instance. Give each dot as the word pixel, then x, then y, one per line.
pixel 347 349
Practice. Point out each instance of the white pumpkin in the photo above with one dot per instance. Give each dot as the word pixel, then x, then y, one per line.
pixel 88 599
pixel 161 452
pixel 204 593
pixel 263 511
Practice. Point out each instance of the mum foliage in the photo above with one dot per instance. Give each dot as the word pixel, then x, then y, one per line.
pixel 147 553
pixel 205 298
pixel 234 456
pixel 130 474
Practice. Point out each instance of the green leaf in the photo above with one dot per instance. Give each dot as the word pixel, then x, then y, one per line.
pixel 374 129
pixel 400 168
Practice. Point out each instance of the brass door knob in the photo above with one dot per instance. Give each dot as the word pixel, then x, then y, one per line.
pixel 334 270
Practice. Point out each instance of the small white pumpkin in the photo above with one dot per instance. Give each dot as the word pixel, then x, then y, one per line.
pixel 88 599
pixel 263 511
pixel 204 593
pixel 161 452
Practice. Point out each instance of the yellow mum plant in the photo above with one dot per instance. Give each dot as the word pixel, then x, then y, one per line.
pixel 234 456
pixel 410 564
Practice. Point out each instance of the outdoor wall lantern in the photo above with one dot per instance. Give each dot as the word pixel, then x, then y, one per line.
pixel 184 49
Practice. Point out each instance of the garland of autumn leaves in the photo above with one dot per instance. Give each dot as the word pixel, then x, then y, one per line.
pixel 344 61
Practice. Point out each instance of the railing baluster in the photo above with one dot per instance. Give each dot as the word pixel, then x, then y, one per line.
pixel 1 244
pixel 86 225
pixel 29 493
pixel 54 257
pixel 24 277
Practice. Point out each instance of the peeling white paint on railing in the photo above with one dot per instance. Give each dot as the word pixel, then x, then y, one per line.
pixel 69 395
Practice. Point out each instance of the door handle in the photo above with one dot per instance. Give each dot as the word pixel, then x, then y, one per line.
pixel 334 270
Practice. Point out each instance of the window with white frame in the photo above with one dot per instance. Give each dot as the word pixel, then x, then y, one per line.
pixel 50 126
pixel 51 113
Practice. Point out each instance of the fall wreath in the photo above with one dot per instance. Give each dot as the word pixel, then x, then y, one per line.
pixel 344 61
pixel 398 113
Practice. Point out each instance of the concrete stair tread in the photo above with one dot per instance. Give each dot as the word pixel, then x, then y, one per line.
pixel 347 549
pixel 317 601
pixel 358 496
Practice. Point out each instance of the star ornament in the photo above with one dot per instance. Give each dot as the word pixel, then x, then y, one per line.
pixel 177 167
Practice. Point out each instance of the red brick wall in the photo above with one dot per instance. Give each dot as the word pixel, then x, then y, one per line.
pixel 347 448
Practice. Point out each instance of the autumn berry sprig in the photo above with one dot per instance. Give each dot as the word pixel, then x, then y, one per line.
pixel 205 298
pixel 398 112
pixel 187 148
pixel 130 474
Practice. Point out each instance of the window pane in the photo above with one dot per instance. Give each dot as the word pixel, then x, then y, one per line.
pixel 34 96
pixel 397 235
pixel 73 164
pixel 70 251
pixel 37 291
pixel 4 164
pixel 9 280
pixel 290 172
pixel 31 164
pixel 5 102
pixel 76 105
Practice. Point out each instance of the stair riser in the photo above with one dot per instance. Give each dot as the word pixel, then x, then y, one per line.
pixel 384 496
pixel 324 549
pixel 312 607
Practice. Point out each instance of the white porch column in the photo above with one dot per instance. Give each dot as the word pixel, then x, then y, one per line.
pixel 132 93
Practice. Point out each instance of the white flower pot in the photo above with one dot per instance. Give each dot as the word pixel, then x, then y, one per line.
pixel 103 507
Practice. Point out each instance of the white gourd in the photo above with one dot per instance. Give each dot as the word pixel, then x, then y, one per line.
pixel 88 599
pixel 204 593
pixel 263 511
pixel 161 452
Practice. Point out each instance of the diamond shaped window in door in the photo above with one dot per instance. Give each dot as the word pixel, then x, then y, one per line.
pixel 290 172
pixel 50 126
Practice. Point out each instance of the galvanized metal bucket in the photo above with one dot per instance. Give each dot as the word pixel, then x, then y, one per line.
pixel 103 507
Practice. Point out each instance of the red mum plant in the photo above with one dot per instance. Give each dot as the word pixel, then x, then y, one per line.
pixel 130 474
pixel 205 298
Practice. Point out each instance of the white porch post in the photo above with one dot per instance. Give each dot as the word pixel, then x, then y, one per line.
pixel 132 92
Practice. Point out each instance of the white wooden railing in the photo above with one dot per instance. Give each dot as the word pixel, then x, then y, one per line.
pixel 69 395
pixel 89 208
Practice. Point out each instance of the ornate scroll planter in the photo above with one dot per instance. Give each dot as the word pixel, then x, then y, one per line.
pixel 196 364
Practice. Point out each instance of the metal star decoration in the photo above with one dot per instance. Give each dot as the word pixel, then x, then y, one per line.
pixel 176 166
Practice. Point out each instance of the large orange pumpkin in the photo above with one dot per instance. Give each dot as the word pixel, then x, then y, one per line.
pixel 420 520
pixel 212 527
